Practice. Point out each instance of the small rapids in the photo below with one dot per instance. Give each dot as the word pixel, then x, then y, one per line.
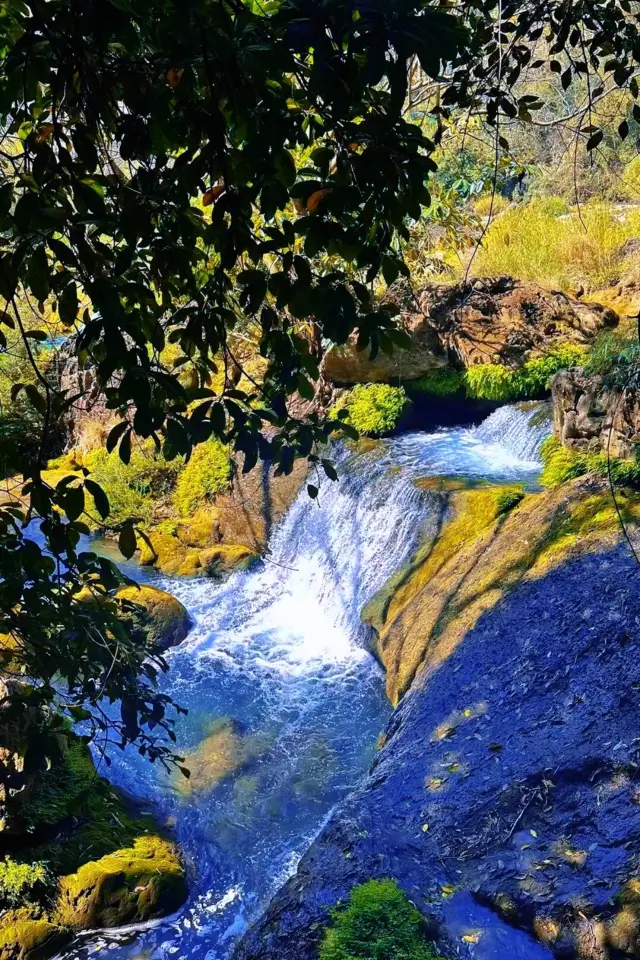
pixel 285 703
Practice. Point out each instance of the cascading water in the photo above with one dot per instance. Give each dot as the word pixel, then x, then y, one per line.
pixel 285 704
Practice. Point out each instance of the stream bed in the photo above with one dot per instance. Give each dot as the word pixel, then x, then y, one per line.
pixel 285 703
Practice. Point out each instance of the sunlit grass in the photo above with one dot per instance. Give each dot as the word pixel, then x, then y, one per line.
pixel 541 241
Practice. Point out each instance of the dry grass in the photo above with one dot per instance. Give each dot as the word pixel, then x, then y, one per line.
pixel 539 241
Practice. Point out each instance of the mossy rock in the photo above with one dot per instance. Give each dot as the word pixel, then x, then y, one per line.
pixel 156 614
pixel 223 559
pixel 135 884
pixel 25 934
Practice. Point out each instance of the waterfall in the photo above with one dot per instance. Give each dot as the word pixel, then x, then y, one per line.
pixel 277 659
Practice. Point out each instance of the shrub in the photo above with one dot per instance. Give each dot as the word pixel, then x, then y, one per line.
pixel 378 923
pixel 207 473
pixel 490 381
pixel 22 881
pixel 373 409
pixel 533 378
pixel 133 489
pixel 561 464
pixel 441 383
pixel 612 349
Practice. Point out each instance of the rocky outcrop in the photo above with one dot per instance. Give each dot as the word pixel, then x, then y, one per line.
pixel 589 416
pixel 508 775
pixel 496 320
pixel 508 321
pixel 139 883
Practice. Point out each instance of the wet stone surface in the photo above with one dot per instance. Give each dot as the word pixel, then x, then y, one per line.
pixel 510 773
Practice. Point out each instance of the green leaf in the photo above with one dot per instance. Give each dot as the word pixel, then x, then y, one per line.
pixel 36 398
pixel 99 497
pixel 127 541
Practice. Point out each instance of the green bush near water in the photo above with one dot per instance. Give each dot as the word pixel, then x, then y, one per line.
pixel 378 923
pixel 207 473
pixel 494 381
pixel 21 882
pixel 561 464
pixel 133 489
pixel 373 409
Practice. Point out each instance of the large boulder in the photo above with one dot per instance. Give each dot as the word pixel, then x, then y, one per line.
pixel 27 934
pixel 155 615
pixel 507 776
pixel 508 321
pixel 589 416
pixel 490 320
pixel 134 884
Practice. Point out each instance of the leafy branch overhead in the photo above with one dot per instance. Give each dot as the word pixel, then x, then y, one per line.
pixel 174 173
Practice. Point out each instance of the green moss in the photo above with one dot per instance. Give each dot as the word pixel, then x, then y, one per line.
pixel 20 882
pixel 373 409
pixel 143 881
pixel 378 923
pixel 72 797
pixel 490 381
pixel 440 383
pixel 157 617
pixel 561 464
pixel 207 473
pixel 508 498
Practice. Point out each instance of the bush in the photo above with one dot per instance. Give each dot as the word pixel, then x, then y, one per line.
pixel 133 489
pixel 490 381
pixel 22 881
pixel 533 378
pixel 561 464
pixel 373 409
pixel 612 349
pixel 378 923
pixel 207 473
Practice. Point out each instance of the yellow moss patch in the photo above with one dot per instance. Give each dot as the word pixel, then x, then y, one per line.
pixel 424 611
pixel 26 936
pixel 139 883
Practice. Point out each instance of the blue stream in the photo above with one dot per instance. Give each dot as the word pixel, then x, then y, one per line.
pixel 279 685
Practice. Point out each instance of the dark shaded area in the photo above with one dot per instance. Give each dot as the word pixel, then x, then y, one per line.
pixel 428 412
pixel 510 772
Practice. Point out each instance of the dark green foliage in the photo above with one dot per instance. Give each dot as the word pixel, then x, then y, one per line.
pixel 378 923
pixel 440 383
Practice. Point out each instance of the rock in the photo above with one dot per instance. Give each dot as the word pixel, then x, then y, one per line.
pixel 588 416
pixel 27 935
pixel 491 320
pixel 502 320
pixel 155 614
pixel 509 769
pixel 135 884
pixel 223 559
pixel 223 752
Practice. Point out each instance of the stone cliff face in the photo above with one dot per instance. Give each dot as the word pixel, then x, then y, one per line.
pixel 589 415
pixel 509 771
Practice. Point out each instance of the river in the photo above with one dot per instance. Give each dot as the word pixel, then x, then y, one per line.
pixel 285 703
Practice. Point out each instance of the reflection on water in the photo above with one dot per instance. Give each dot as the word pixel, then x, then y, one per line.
pixel 285 705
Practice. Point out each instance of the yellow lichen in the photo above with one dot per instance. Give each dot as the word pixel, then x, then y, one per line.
pixel 24 934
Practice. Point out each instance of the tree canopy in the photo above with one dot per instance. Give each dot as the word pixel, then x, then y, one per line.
pixel 171 172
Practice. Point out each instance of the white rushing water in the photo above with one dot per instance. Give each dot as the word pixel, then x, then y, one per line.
pixel 276 660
